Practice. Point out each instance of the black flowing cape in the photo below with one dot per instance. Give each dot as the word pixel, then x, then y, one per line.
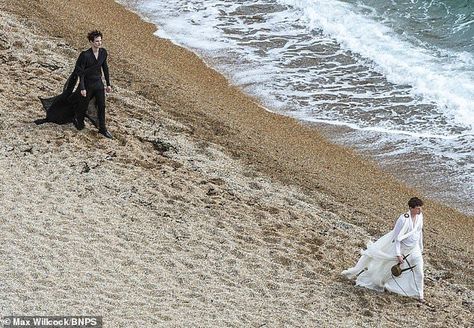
pixel 60 109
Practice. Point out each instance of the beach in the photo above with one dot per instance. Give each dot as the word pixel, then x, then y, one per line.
pixel 206 210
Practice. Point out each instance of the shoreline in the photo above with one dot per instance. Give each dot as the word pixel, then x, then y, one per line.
pixel 295 208
pixel 332 133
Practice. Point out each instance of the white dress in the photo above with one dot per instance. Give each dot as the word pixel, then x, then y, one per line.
pixel 373 268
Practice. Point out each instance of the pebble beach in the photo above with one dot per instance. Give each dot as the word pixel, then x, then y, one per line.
pixel 205 210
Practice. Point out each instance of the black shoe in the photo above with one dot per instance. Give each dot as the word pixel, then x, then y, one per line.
pixel 79 124
pixel 106 134
pixel 41 121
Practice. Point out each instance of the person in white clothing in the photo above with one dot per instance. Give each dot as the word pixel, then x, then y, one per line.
pixel 402 245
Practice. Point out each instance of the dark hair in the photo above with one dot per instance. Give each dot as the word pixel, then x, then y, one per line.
pixel 415 202
pixel 93 34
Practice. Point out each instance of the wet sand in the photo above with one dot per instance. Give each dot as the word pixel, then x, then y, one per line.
pixel 205 210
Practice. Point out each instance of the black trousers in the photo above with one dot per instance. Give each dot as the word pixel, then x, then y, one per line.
pixel 94 89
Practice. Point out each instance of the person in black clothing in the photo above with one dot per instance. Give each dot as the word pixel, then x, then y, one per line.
pixel 91 63
pixel 88 100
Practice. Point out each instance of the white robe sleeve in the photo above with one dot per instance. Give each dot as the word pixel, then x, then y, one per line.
pixel 420 240
pixel 396 231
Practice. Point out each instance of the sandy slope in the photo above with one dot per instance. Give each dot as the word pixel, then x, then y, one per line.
pixel 216 231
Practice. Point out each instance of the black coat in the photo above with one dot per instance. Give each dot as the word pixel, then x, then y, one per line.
pixel 60 109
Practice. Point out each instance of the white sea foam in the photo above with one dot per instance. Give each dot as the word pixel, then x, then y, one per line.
pixel 206 26
pixel 378 129
pixel 220 28
pixel 444 81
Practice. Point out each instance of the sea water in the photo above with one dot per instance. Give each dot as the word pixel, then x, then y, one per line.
pixel 393 79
